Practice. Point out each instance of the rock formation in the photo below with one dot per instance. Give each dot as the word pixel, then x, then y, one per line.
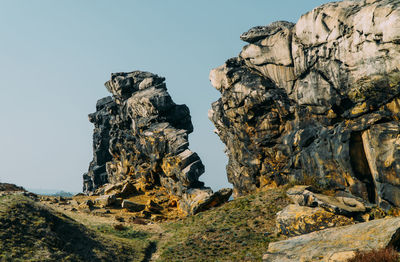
pixel 317 101
pixel 336 244
pixel 140 143
pixel 313 212
pixel 296 220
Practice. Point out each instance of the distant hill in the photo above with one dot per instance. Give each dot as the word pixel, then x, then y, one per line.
pixel 10 187
pixel 52 192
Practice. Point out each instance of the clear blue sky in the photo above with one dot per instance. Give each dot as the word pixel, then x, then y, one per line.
pixel 56 55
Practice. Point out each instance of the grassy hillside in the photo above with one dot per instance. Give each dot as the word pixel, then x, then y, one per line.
pixel 30 232
pixel 238 231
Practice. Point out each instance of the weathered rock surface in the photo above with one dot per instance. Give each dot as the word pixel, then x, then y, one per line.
pixel 106 200
pixel 316 101
pixel 131 206
pixel 296 220
pixel 337 204
pixel 197 200
pixel 336 244
pixel 140 143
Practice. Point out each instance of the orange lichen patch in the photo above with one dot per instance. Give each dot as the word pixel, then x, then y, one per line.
pixel 250 130
pixel 171 165
pixel 394 212
pixel 331 114
pixel 359 109
pixel 266 183
pixel 173 203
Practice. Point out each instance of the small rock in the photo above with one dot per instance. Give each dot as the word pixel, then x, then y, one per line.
pixel 152 207
pixel 138 221
pixel 110 188
pixel 200 199
pixel 120 219
pixel 132 206
pixel 106 200
pixel 87 204
pixel 128 190
pixel 342 256
pixel 145 214
pixel 119 227
pixel 74 202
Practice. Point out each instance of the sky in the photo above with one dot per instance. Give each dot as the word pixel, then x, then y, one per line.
pixel 56 55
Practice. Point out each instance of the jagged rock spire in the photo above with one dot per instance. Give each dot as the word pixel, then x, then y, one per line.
pixel 141 138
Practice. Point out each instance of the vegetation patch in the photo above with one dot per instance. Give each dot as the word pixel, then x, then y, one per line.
pixel 124 232
pixel 30 232
pixel 376 255
pixel 237 231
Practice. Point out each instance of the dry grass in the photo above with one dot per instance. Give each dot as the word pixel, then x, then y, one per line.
pixel 376 255
pixel 237 231
pixel 32 232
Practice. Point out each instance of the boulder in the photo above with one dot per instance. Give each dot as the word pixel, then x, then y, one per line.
pixel 87 204
pixel 316 102
pixel 132 206
pixel 106 200
pixel 122 189
pixel 195 200
pixel 296 220
pixel 341 205
pixel 336 244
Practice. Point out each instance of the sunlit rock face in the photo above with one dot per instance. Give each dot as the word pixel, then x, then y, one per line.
pixel 316 101
pixel 141 139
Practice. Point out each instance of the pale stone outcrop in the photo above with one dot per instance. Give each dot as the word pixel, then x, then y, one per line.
pixel 301 195
pixel 336 244
pixel 296 220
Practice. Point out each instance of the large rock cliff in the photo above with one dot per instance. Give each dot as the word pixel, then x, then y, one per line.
pixel 316 102
pixel 140 141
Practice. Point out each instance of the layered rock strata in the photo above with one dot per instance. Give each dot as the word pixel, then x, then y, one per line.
pixel 316 101
pixel 141 140
pixel 313 212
